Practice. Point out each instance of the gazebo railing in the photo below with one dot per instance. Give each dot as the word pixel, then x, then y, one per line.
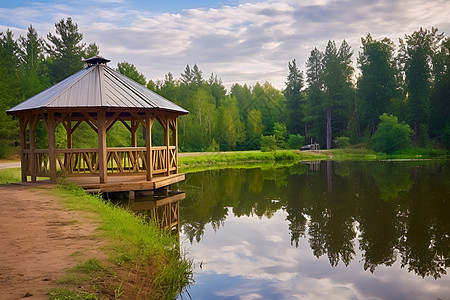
pixel 126 160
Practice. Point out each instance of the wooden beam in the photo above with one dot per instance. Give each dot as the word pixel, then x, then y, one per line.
pixel 175 141
pixel 167 144
pixel 112 120
pixel 102 151
pixel 33 124
pixel 148 143
pixel 23 144
pixel 51 145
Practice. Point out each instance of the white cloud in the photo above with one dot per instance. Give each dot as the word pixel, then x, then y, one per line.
pixel 244 43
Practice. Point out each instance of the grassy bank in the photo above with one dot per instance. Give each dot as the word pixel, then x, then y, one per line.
pixel 144 261
pixel 240 158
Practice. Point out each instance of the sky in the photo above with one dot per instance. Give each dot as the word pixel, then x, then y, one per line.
pixel 239 41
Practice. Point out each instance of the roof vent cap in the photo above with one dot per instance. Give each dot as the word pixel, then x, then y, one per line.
pixel 97 60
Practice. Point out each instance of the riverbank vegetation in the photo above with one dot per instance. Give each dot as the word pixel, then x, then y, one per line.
pixel 408 82
pixel 144 261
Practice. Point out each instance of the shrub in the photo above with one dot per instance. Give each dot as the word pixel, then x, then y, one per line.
pixel 391 135
pixel 268 143
pixel 342 142
pixel 295 141
pixel 445 136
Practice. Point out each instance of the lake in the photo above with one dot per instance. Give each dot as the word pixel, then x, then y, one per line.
pixel 323 230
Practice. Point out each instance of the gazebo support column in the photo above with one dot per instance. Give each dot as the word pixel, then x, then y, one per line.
pixel 33 123
pixel 23 143
pixel 51 146
pixel 148 143
pixel 175 141
pixel 167 144
pixel 102 151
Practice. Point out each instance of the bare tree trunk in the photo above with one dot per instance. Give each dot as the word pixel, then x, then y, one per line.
pixel 329 132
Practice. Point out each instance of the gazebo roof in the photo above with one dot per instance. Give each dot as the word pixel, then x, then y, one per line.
pixel 97 86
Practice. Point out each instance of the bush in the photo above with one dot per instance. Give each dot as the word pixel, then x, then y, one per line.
pixel 391 135
pixel 295 141
pixel 445 136
pixel 268 143
pixel 342 142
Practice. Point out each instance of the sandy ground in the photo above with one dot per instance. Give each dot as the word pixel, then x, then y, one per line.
pixel 38 240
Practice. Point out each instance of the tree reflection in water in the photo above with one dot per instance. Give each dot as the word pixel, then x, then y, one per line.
pixel 390 210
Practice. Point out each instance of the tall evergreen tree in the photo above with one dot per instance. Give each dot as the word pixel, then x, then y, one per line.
pixel 337 71
pixel 440 97
pixel 377 84
pixel 33 72
pixel 314 117
pixel 65 50
pixel 10 93
pixel 416 53
pixel 293 96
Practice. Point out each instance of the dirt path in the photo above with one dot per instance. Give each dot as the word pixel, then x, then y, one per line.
pixel 38 240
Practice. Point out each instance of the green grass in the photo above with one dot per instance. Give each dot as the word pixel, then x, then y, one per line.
pixel 230 159
pixel 66 294
pixel 10 176
pixel 132 241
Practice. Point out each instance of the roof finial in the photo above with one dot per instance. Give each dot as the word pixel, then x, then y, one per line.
pixel 96 60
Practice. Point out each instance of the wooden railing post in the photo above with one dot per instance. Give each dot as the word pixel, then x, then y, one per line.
pixel 23 145
pixel 33 123
pixel 51 146
pixel 102 151
pixel 167 144
pixel 148 145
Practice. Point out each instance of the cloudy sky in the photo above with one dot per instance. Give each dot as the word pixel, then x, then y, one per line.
pixel 240 41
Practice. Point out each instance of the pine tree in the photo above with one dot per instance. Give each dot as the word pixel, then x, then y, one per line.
pixel 293 96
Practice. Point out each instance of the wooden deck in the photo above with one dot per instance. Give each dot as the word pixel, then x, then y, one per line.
pixel 115 183
pixel 125 183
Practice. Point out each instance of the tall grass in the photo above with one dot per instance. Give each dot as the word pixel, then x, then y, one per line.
pixel 133 241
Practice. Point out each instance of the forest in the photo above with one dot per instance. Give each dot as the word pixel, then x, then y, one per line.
pixel 398 96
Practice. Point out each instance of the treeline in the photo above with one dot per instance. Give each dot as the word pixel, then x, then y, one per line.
pixel 405 87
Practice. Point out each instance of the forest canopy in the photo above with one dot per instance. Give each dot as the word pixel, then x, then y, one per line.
pixel 331 103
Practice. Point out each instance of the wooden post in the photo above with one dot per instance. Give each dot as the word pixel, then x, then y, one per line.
pixel 33 123
pixel 102 151
pixel 23 145
pixel 167 144
pixel 134 127
pixel 148 143
pixel 68 126
pixel 175 142
pixel 51 146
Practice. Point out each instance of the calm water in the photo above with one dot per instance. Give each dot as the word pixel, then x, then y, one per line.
pixel 329 230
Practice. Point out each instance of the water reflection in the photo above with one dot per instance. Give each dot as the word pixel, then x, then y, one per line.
pixel 160 206
pixel 375 214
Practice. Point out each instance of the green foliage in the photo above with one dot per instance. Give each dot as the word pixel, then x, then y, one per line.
pixel 10 175
pixel 280 133
pixel 90 266
pixel 377 84
pixel 131 72
pixel 416 53
pixel 268 143
pixel 65 294
pixel 445 136
pixel 391 135
pixel 295 141
pixel 65 50
pixel 293 96
pixel 342 141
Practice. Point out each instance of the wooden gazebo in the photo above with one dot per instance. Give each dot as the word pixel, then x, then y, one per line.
pixel 100 96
